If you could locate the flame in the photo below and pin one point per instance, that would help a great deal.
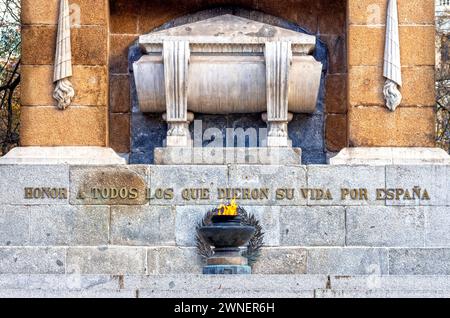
(230, 209)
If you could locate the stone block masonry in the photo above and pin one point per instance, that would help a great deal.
(140, 220)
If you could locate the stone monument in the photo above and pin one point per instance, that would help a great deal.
(86, 209)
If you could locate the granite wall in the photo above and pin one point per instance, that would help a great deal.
(80, 232)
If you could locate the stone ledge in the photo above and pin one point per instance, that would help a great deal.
(223, 156)
(390, 156)
(210, 286)
(62, 155)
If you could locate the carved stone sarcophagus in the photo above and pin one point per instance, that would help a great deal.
(223, 65)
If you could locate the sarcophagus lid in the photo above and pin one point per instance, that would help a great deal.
(227, 66)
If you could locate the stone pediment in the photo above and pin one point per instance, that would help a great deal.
(229, 30)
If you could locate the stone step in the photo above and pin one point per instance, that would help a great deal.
(224, 286)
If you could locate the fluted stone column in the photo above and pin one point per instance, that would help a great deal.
(176, 56)
(278, 63)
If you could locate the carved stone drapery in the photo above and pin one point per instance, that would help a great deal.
(176, 56)
(278, 57)
(392, 65)
(64, 92)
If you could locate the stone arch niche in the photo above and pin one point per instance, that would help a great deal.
(307, 131)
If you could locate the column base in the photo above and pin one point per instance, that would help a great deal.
(390, 156)
(62, 155)
(178, 141)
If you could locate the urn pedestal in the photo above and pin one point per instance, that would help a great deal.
(227, 235)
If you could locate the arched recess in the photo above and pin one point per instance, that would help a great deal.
(319, 133)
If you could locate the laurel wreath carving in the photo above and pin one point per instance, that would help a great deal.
(253, 249)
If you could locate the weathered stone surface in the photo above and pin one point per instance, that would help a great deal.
(419, 261)
(186, 220)
(336, 132)
(432, 178)
(224, 294)
(271, 177)
(231, 155)
(119, 94)
(437, 226)
(129, 180)
(173, 260)
(146, 225)
(76, 126)
(336, 94)
(347, 261)
(106, 260)
(119, 132)
(336, 178)
(312, 226)
(385, 226)
(269, 219)
(42, 36)
(118, 53)
(68, 225)
(419, 294)
(61, 156)
(367, 86)
(32, 260)
(410, 12)
(93, 12)
(15, 178)
(83, 50)
(391, 282)
(281, 261)
(379, 127)
(90, 84)
(14, 226)
(337, 50)
(414, 41)
(229, 283)
(68, 294)
(181, 178)
(124, 16)
(391, 155)
(59, 282)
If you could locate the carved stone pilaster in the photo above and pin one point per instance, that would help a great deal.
(176, 56)
(278, 63)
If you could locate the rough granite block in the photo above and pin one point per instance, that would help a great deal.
(15, 178)
(419, 294)
(312, 226)
(121, 178)
(68, 225)
(288, 178)
(173, 260)
(434, 178)
(347, 261)
(106, 260)
(179, 178)
(437, 226)
(32, 260)
(142, 225)
(281, 261)
(336, 178)
(14, 226)
(385, 226)
(419, 261)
